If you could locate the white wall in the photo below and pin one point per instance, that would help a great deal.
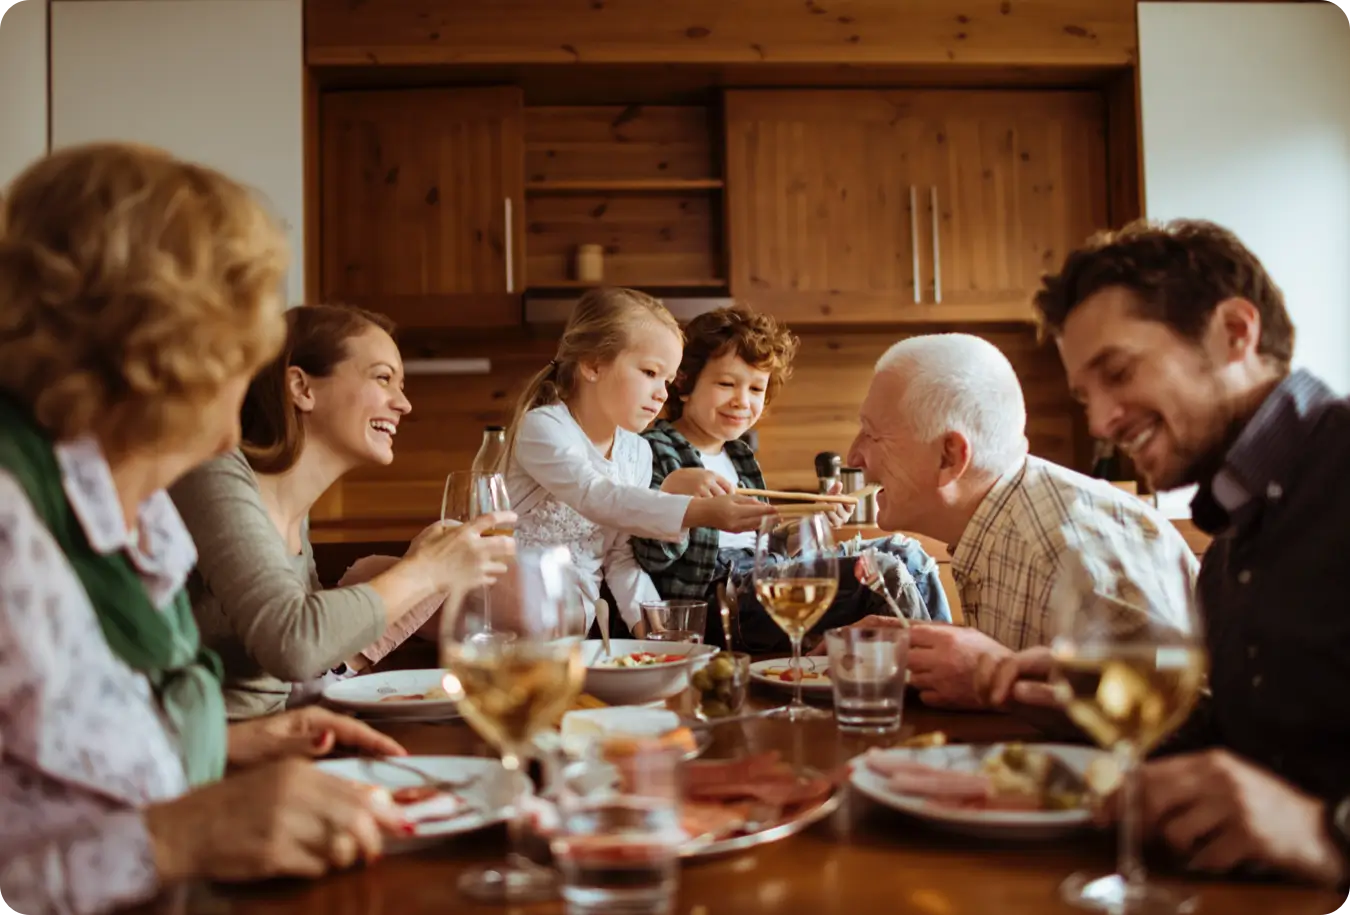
(23, 86)
(217, 81)
(1246, 121)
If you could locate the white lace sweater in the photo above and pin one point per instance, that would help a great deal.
(566, 492)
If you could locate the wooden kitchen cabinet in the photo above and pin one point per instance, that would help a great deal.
(880, 206)
(1014, 181)
(422, 206)
(819, 226)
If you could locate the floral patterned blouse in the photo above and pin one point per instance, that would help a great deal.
(82, 744)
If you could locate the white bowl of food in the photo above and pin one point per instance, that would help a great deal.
(638, 671)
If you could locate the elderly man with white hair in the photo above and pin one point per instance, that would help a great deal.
(944, 431)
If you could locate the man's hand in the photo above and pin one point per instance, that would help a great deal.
(942, 662)
(872, 621)
(311, 731)
(1220, 811)
(1016, 679)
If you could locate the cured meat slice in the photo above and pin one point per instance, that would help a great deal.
(713, 819)
(701, 775)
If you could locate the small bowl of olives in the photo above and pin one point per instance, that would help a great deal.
(720, 687)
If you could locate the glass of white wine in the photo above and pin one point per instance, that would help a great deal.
(514, 676)
(796, 579)
(469, 494)
(1128, 680)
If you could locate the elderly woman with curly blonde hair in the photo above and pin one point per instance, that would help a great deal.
(138, 294)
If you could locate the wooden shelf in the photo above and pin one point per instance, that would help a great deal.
(708, 283)
(638, 185)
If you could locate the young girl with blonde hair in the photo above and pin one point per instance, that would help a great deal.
(578, 471)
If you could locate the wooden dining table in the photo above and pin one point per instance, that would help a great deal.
(864, 858)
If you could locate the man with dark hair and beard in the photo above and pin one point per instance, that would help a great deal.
(1178, 343)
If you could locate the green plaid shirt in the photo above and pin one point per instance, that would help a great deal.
(685, 569)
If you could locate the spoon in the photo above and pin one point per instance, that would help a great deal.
(602, 617)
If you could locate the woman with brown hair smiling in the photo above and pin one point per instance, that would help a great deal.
(331, 401)
(139, 295)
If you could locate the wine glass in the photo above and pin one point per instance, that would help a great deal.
(469, 494)
(1128, 680)
(796, 579)
(514, 676)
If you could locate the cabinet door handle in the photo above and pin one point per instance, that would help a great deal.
(914, 238)
(508, 244)
(937, 250)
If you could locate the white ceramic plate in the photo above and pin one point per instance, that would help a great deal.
(371, 695)
(639, 685)
(486, 793)
(763, 672)
(985, 824)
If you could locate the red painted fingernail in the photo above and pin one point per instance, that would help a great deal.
(408, 829)
(322, 740)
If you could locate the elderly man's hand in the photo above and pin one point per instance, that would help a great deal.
(1220, 811)
(1002, 680)
(872, 621)
(943, 659)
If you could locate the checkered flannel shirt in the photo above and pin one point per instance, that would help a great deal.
(685, 569)
(1041, 523)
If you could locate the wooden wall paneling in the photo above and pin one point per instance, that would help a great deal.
(649, 240)
(759, 32)
(1124, 148)
(311, 259)
(618, 141)
(415, 184)
(560, 84)
(640, 181)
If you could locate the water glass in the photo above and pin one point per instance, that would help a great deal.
(867, 670)
(675, 620)
(619, 835)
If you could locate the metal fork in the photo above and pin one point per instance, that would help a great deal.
(869, 576)
(428, 781)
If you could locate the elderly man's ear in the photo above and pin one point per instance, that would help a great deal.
(955, 458)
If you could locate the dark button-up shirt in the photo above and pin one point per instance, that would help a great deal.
(1275, 590)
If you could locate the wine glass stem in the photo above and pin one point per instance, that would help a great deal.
(1128, 862)
(515, 827)
(796, 671)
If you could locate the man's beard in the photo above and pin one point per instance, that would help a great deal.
(1203, 467)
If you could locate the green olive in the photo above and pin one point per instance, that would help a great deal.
(716, 709)
(721, 668)
(1063, 800)
(702, 680)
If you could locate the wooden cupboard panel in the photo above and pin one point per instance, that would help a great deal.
(817, 411)
(617, 142)
(852, 205)
(647, 239)
(415, 191)
(755, 32)
(818, 202)
(1020, 180)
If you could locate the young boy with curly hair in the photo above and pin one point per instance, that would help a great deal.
(735, 362)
